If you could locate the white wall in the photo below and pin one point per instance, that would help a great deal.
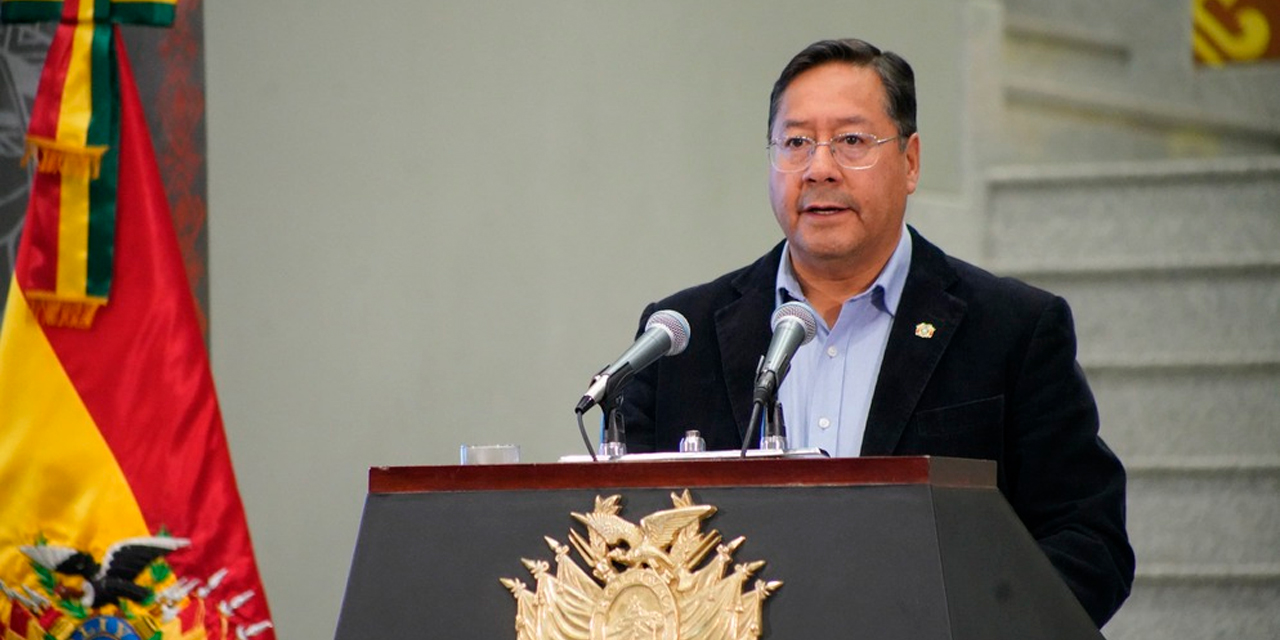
(432, 222)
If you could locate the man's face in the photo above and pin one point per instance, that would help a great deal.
(841, 219)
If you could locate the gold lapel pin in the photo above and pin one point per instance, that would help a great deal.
(925, 330)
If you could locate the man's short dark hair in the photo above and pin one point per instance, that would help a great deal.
(895, 74)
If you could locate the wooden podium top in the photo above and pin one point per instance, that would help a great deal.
(734, 472)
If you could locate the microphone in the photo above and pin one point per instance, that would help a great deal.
(794, 325)
(666, 333)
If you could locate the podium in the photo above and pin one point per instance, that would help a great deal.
(905, 548)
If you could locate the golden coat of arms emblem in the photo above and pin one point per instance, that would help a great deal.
(661, 579)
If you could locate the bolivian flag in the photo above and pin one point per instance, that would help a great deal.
(111, 439)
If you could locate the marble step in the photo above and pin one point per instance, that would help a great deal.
(1126, 215)
(1189, 410)
(1207, 537)
(1221, 512)
(1170, 317)
(1189, 602)
(1072, 54)
(1047, 120)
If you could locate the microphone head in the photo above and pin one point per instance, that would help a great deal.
(675, 325)
(797, 312)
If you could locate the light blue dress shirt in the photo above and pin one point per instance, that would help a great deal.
(827, 394)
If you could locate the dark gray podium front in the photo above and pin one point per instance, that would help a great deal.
(874, 548)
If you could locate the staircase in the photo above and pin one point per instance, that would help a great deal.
(1147, 193)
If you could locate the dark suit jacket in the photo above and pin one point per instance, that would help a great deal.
(998, 380)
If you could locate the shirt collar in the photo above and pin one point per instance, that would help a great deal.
(890, 283)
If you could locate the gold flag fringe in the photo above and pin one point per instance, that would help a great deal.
(62, 158)
(71, 314)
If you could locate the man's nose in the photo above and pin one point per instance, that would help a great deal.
(822, 166)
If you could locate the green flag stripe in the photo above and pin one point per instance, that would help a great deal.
(156, 14)
(102, 226)
(30, 11)
(103, 92)
(102, 192)
(159, 14)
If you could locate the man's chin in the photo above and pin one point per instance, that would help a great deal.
(826, 252)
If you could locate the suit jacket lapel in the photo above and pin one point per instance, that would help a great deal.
(926, 309)
(743, 333)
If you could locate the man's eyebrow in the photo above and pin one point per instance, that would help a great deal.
(859, 120)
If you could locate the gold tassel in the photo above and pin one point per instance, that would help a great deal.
(71, 314)
(66, 159)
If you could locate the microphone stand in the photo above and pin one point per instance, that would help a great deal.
(766, 402)
(614, 443)
(775, 431)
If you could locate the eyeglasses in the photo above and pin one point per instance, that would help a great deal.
(851, 151)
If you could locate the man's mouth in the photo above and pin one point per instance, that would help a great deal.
(824, 209)
(826, 203)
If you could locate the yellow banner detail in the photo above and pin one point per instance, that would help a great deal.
(79, 497)
(1227, 31)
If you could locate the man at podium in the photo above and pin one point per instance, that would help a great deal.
(916, 353)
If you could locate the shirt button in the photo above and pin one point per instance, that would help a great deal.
(824, 423)
(832, 351)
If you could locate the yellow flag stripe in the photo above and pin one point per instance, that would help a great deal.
(59, 477)
(73, 236)
(73, 129)
(77, 92)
